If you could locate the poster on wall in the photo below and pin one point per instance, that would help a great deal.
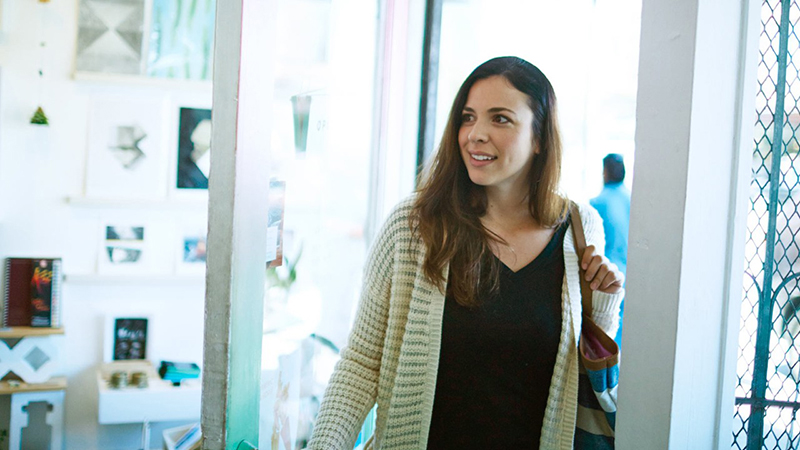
(110, 36)
(130, 338)
(182, 41)
(126, 151)
(194, 148)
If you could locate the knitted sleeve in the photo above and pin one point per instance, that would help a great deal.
(353, 386)
(605, 307)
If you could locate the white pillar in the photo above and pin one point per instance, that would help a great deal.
(695, 116)
(238, 188)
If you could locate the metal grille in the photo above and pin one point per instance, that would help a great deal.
(768, 368)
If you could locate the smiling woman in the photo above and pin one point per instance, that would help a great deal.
(495, 136)
(465, 334)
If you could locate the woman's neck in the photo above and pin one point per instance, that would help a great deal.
(508, 210)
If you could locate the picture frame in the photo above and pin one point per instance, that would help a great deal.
(127, 337)
(183, 47)
(112, 36)
(126, 149)
(194, 148)
(181, 146)
(129, 246)
(190, 246)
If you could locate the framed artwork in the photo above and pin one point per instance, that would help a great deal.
(194, 148)
(182, 41)
(111, 36)
(126, 338)
(191, 247)
(126, 149)
(124, 249)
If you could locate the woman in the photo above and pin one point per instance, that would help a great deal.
(466, 334)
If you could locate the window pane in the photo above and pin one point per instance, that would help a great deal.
(587, 49)
(320, 152)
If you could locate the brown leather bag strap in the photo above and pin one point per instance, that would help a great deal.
(579, 241)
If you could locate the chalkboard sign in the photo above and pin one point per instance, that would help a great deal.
(130, 338)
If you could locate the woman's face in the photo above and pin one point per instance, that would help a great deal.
(496, 137)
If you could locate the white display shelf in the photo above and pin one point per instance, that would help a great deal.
(199, 202)
(134, 279)
(159, 402)
(145, 81)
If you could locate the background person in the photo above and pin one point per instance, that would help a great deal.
(614, 206)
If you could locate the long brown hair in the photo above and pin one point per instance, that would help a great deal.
(448, 207)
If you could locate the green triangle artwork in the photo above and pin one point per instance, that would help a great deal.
(39, 118)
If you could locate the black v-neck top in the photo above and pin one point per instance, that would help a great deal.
(496, 361)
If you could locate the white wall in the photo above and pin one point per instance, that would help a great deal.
(39, 167)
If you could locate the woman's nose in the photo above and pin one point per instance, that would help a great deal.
(478, 132)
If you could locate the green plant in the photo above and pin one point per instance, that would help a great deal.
(285, 275)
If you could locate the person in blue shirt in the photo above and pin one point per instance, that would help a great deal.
(614, 206)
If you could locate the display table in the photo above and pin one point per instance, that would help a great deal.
(159, 402)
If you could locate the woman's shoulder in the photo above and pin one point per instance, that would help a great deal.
(399, 219)
(403, 210)
(589, 216)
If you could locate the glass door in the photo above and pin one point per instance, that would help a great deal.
(320, 151)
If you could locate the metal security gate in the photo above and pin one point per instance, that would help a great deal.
(768, 367)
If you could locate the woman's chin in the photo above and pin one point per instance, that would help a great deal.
(479, 180)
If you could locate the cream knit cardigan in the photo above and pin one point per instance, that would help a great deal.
(392, 355)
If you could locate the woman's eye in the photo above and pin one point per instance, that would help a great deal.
(501, 119)
(467, 118)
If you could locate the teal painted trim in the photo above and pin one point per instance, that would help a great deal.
(755, 431)
(244, 387)
(244, 445)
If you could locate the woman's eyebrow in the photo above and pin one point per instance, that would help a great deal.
(496, 109)
(501, 109)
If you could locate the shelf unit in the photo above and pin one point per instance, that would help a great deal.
(160, 401)
(205, 86)
(190, 202)
(88, 279)
(54, 384)
(17, 342)
(21, 332)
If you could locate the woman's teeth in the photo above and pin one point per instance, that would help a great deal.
(483, 157)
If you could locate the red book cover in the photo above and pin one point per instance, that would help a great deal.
(17, 299)
(42, 293)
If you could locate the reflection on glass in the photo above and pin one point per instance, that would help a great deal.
(320, 152)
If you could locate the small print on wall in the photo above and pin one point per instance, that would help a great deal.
(194, 148)
(125, 157)
(192, 248)
(123, 249)
(110, 36)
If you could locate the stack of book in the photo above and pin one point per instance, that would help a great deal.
(32, 292)
(177, 372)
